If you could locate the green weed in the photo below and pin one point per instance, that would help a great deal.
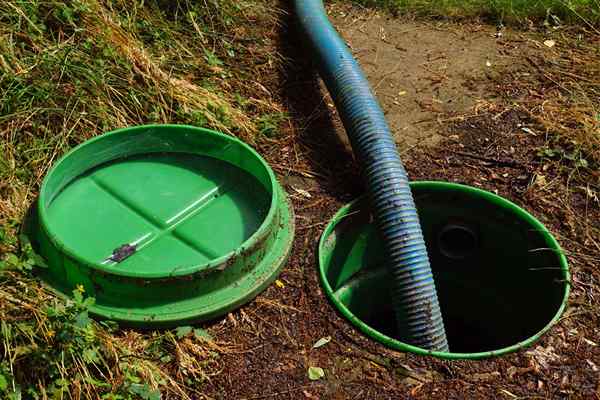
(51, 348)
(269, 124)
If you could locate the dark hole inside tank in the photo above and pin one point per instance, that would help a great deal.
(497, 281)
(463, 336)
(457, 240)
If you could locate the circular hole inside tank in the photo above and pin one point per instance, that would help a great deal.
(496, 295)
(457, 240)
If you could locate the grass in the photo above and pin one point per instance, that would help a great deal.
(567, 103)
(70, 70)
(74, 69)
(52, 349)
(511, 11)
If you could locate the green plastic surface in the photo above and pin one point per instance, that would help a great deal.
(501, 277)
(163, 224)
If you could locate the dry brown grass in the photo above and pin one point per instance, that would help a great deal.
(100, 22)
(73, 70)
(39, 328)
(568, 102)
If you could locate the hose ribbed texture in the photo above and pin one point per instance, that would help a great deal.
(414, 296)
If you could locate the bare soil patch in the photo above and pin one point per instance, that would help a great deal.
(421, 70)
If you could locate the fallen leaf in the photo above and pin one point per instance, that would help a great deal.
(402, 93)
(540, 180)
(322, 342)
(309, 395)
(544, 356)
(302, 192)
(279, 284)
(549, 43)
(315, 373)
(486, 376)
(592, 365)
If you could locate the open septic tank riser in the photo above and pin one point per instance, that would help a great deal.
(502, 279)
(497, 296)
(200, 240)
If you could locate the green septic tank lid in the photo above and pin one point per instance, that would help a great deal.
(502, 280)
(162, 224)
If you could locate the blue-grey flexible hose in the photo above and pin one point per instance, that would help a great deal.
(414, 295)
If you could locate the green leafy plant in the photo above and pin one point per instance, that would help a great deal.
(269, 124)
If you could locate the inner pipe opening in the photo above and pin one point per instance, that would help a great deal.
(457, 240)
(500, 276)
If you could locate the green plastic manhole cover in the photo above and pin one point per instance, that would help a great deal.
(502, 279)
(163, 224)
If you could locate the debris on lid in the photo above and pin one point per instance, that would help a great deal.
(122, 252)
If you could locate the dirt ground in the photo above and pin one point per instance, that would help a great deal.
(418, 70)
(446, 90)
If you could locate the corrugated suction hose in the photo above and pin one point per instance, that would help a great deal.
(414, 295)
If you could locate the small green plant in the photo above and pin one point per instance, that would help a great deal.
(573, 158)
(211, 59)
(56, 349)
(269, 124)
